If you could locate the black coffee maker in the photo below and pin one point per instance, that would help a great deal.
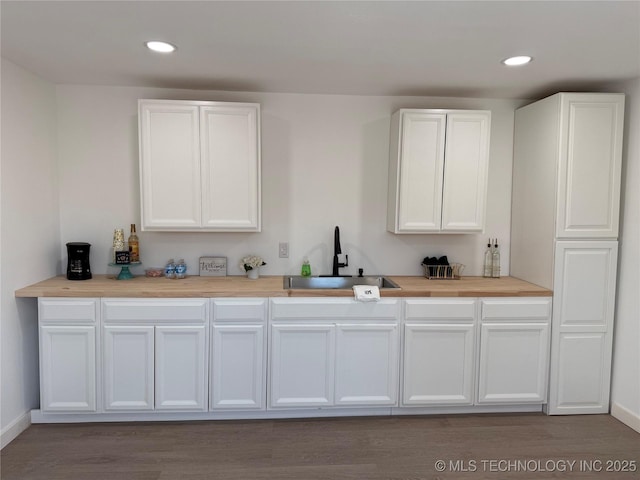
(78, 261)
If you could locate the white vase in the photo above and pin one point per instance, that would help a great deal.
(253, 274)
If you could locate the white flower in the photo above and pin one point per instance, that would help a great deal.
(251, 261)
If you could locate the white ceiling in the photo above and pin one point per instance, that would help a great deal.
(344, 47)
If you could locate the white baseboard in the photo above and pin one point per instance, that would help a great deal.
(38, 416)
(626, 416)
(15, 428)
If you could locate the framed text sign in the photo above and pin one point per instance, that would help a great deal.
(213, 266)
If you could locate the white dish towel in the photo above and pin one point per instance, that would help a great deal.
(366, 293)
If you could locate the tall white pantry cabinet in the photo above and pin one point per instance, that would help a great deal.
(565, 212)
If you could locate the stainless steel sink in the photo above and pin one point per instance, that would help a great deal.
(295, 282)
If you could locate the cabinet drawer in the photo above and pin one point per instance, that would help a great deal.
(333, 308)
(189, 310)
(244, 310)
(422, 309)
(529, 309)
(67, 310)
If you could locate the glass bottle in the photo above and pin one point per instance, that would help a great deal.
(306, 268)
(488, 261)
(181, 269)
(495, 271)
(134, 245)
(170, 269)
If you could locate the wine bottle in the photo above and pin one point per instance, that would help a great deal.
(134, 245)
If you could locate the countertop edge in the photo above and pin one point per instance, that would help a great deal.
(271, 286)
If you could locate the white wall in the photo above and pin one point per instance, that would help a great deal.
(625, 394)
(30, 235)
(325, 163)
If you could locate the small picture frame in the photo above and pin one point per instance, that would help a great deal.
(213, 266)
(122, 257)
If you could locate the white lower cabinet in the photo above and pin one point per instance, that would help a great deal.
(121, 355)
(302, 365)
(68, 368)
(514, 351)
(366, 364)
(181, 367)
(128, 367)
(237, 372)
(155, 354)
(438, 364)
(333, 352)
(581, 352)
(68, 355)
(439, 351)
(238, 351)
(582, 374)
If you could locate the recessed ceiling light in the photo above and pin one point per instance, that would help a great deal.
(515, 61)
(162, 47)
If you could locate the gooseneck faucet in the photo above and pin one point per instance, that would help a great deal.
(337, 250)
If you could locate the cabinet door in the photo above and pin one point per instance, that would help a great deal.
(366, 364)
(128, 367)
(582, 374)
(302, 365)
(68, 368)
(421, 160)
(169, 166)
(180, 367)
(238, 370)
(438, 364)
(465, 171)
(513, 363)
(585, 285)
(590, 165)
(584, 301)
(230, 167)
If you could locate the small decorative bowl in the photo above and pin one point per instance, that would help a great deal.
(154, 272)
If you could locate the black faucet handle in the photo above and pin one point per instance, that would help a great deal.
(346, 262)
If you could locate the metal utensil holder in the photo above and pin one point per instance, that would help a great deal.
(443, 272)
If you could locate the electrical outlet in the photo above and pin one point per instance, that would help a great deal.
(283, 250)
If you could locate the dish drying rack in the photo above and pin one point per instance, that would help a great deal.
(443, 272)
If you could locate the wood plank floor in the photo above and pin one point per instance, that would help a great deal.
(380, 448)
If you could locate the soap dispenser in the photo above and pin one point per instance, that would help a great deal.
(306, 268)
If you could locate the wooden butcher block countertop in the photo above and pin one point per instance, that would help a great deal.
(272, 286)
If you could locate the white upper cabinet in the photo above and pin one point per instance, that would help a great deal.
(417, 162)
(590, 165)
(169, 166)
(200, 166)
(566, 176)
(230, 167)
(438, 166)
